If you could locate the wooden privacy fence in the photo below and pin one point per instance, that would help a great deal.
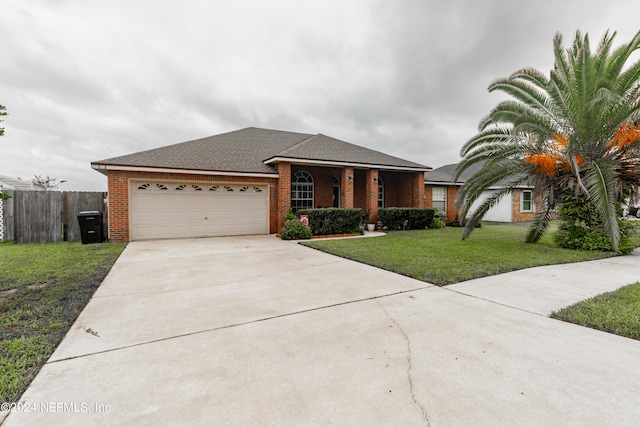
(47, 216)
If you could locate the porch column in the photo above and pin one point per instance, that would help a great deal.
(284, 191)
(371, 189)
(346, 187)
(419, 199)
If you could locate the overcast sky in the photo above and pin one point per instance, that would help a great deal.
(87, 80)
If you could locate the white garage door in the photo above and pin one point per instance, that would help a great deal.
(163, 210)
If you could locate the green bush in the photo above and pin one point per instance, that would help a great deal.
(582, 229)
(294, 229)
(439, 220)
(406, 218)
(333, 220)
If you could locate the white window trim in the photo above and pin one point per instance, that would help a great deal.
(532, 203)
(294, 192)
(440, 200)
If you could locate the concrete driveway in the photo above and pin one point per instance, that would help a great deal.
(257, 331)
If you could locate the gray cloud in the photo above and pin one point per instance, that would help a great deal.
(84, 81)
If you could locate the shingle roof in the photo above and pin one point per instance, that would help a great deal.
(246, 150)
(326, 148)
(446, 174)
(436, 176)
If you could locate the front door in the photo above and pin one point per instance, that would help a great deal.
(336, 195)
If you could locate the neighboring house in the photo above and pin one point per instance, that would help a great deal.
(243, 182)
(440, 189)
(8, 183)
(440, 192)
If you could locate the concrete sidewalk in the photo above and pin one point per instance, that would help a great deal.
(257, 331)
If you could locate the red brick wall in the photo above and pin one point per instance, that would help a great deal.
(418, 199)
(346, 188)
(428, 195)
(406, 189)
(452, 193)
(118, 196)
(283, 201)
(322, 182)
(452, 209)
(517, 215)
(403, 189)
(371, 194)
(118, 187)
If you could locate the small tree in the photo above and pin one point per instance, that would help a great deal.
(2, 113)
(47, 184)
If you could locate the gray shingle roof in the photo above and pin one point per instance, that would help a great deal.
(326, 148)
(446, 174)
(246, 150)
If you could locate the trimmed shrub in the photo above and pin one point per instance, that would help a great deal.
(406, 218)
(439, 220)
(294, 229)
(289, 215)
(333, 220)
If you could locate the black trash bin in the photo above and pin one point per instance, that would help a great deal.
(90, 227)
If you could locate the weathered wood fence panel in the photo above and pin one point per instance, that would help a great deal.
(37, 216)
(48, 216)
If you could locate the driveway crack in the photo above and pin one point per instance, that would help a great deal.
(419, 405)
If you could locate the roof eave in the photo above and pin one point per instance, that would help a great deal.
(104, 168)
(296, 160)
(449, 183)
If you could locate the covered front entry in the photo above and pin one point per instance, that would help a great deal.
(163, 210)
(307, 186)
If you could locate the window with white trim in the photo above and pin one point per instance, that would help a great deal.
(301, 191)
(380, 193)
(439, 198)
(526, 201)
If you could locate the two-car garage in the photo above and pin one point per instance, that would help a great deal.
(164, 210)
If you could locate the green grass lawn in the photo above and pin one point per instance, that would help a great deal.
(617, 312)
(43, 288)
(442, 258)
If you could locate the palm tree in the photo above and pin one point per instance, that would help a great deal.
(576, 131)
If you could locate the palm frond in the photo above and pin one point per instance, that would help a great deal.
(482, 210)
(599, 180)
(540, 224)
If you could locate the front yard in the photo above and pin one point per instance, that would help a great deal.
(442, 258)
(43, 288)
(617, 312)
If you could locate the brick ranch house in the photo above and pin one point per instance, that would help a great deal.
(441, 191)
(243, 182)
